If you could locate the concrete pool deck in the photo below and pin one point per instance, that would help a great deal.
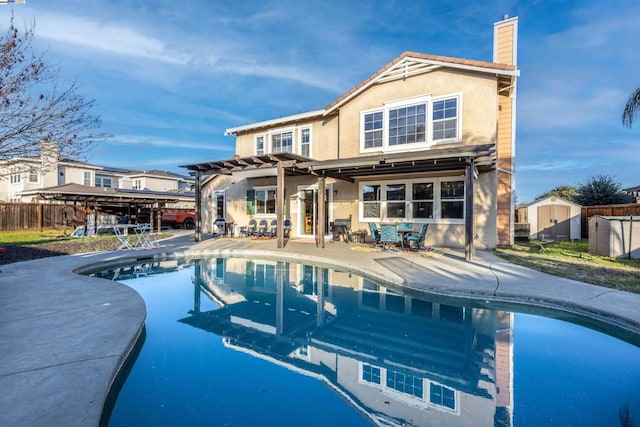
(65, 336)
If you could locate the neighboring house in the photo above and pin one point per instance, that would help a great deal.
(634, 192)
(24, 179)
(425, 139)
(554, 218)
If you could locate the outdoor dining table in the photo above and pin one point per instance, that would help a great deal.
(404, 231)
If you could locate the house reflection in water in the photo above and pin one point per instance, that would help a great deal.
(401, 360)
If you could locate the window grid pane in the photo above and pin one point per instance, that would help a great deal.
(445, 119)
(407, 125)
(373, 130)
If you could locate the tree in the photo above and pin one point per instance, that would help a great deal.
(36, 111)
(566, 192)
(601, 190)
(631, 109)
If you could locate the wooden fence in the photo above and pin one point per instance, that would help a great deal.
(37, 216)
(629, 209)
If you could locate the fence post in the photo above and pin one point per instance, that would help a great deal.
(40, 217)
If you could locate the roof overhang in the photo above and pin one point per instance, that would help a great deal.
(279, 121)
(81, 193)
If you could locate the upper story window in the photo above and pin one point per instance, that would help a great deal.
(305, 142)
(373, 129)
(282, 142)
(87, 178)
(14, 177)
(137, 184)
(34, 176)
(259, 145)
(445, 119)
(103, 181)
(297, 139)
(411, 123)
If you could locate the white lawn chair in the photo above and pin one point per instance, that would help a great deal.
(125, 239)
(145, 238)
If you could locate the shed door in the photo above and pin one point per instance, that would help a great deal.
(554, 221)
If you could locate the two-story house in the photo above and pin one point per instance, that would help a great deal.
(426, 139)
(23, 179)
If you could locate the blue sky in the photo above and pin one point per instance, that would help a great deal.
(169, 77)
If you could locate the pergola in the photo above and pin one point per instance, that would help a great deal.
(96, 196)
(470, 158)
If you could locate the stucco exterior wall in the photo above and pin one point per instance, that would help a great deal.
(478, 92)
(324, 138)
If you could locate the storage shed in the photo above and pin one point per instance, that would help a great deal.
(614, 236)
(554, 218)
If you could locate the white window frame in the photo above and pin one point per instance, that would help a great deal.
(33, 171)
(457, 138)
(456, 398)
(427, 100)
(87, 178)
(101, 179)
(265, 188)
(255, 144)
(281, 132)
(437, 200)
(301, 142)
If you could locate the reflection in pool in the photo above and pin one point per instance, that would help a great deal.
(234, 341)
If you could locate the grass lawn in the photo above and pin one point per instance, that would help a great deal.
(573, 261)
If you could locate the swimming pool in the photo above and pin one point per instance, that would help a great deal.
(232, 341)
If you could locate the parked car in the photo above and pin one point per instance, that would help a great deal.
(179, 219)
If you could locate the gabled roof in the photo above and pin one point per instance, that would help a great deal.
(412, 63)
(405, 65)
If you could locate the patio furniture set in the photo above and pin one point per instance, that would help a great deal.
(141, 238)
(401, 234)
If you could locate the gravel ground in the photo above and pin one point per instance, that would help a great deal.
(16, 253)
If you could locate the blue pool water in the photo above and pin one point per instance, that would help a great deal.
(241, 342)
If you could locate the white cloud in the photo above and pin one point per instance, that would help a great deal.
(106, 37)
(158, 142)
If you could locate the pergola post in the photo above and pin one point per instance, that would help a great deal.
(198, 206)
(280, 206)
(320, 216)
(468, 211)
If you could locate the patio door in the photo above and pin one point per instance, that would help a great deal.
(308, 210)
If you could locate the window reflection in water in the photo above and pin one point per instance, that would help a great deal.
(393, 356)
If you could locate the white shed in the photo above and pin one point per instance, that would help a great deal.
(554, 218)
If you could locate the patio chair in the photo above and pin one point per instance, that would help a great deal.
(252, 228)
(418, 238)
(388, 235)
(263, 227)
(125, 239)
(287, 228)
(405, 229)
(273, 228)
(375, 233)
